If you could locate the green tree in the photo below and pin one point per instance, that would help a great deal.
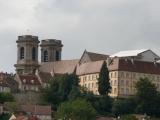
(6, 97)
(128, 117)
(75, 93)
(78, 109)
(124, 106)
(103, 81)
(12, 106)
(146, 96)
(103, 104)
(5, 116)
(59, 89)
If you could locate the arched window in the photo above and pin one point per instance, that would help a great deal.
(45, 56)
(22, 53)
(57, 55)
(33, 53)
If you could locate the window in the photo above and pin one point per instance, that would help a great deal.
(122, 74)
(111, 75)
(127, 75)
(45, 56)
(57, 55)
(115, 74)
(122, 82)
(115, 82)
(33, 53)
(127, 90)
(127, 83)
(122, 90)
(22, 53)
(115, 90)
(134, 75)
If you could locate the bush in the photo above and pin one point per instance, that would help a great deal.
(128, 117)
(78, 109)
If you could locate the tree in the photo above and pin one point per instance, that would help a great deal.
(124, 106)
(12, 106)
(128, 117)
(103, 104)
(78, 109)
(59, 89)
(6, 97)
(103, 80)
(146, 95)
(75, 93)
(4, 116)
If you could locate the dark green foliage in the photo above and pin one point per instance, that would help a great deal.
(6, 97)
(128, 117)
(4, 117)
(59, 89)
(103, 105)
(103, 81)
(78, 109)
(147, 97)
(75, 93)
(123, 106)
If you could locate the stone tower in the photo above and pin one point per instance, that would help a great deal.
(27, 54)
(51, 50)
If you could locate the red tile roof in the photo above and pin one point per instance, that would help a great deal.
(135, 66)
(29, 79)
(97, 56)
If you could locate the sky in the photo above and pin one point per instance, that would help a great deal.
(102, 26)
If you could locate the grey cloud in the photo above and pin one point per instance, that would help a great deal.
(104, 26)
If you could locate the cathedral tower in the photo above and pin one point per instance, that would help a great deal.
(27, 54)
(51, 50)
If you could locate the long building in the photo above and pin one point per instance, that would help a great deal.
(125, 67)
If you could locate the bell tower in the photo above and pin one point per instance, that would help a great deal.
(27, 54)
(51, 50)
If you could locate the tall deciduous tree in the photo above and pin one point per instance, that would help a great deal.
(60, 88)
(104, 87)
(79, 109)
(146, 96)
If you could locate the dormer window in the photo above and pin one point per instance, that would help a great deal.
(32, 81)
(24, 81)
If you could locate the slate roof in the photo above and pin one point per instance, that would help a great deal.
(89, 68)
(59, 67)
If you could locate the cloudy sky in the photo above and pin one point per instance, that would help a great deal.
(104, 26)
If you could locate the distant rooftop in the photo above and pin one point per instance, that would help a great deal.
(129, 53)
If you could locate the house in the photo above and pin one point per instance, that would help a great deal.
(28, 82)
(41, 112)
(21, 115)
(4, 87)
(125, 73)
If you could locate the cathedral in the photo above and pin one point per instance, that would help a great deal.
(125, 67)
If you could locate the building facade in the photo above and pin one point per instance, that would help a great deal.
(125, 67)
